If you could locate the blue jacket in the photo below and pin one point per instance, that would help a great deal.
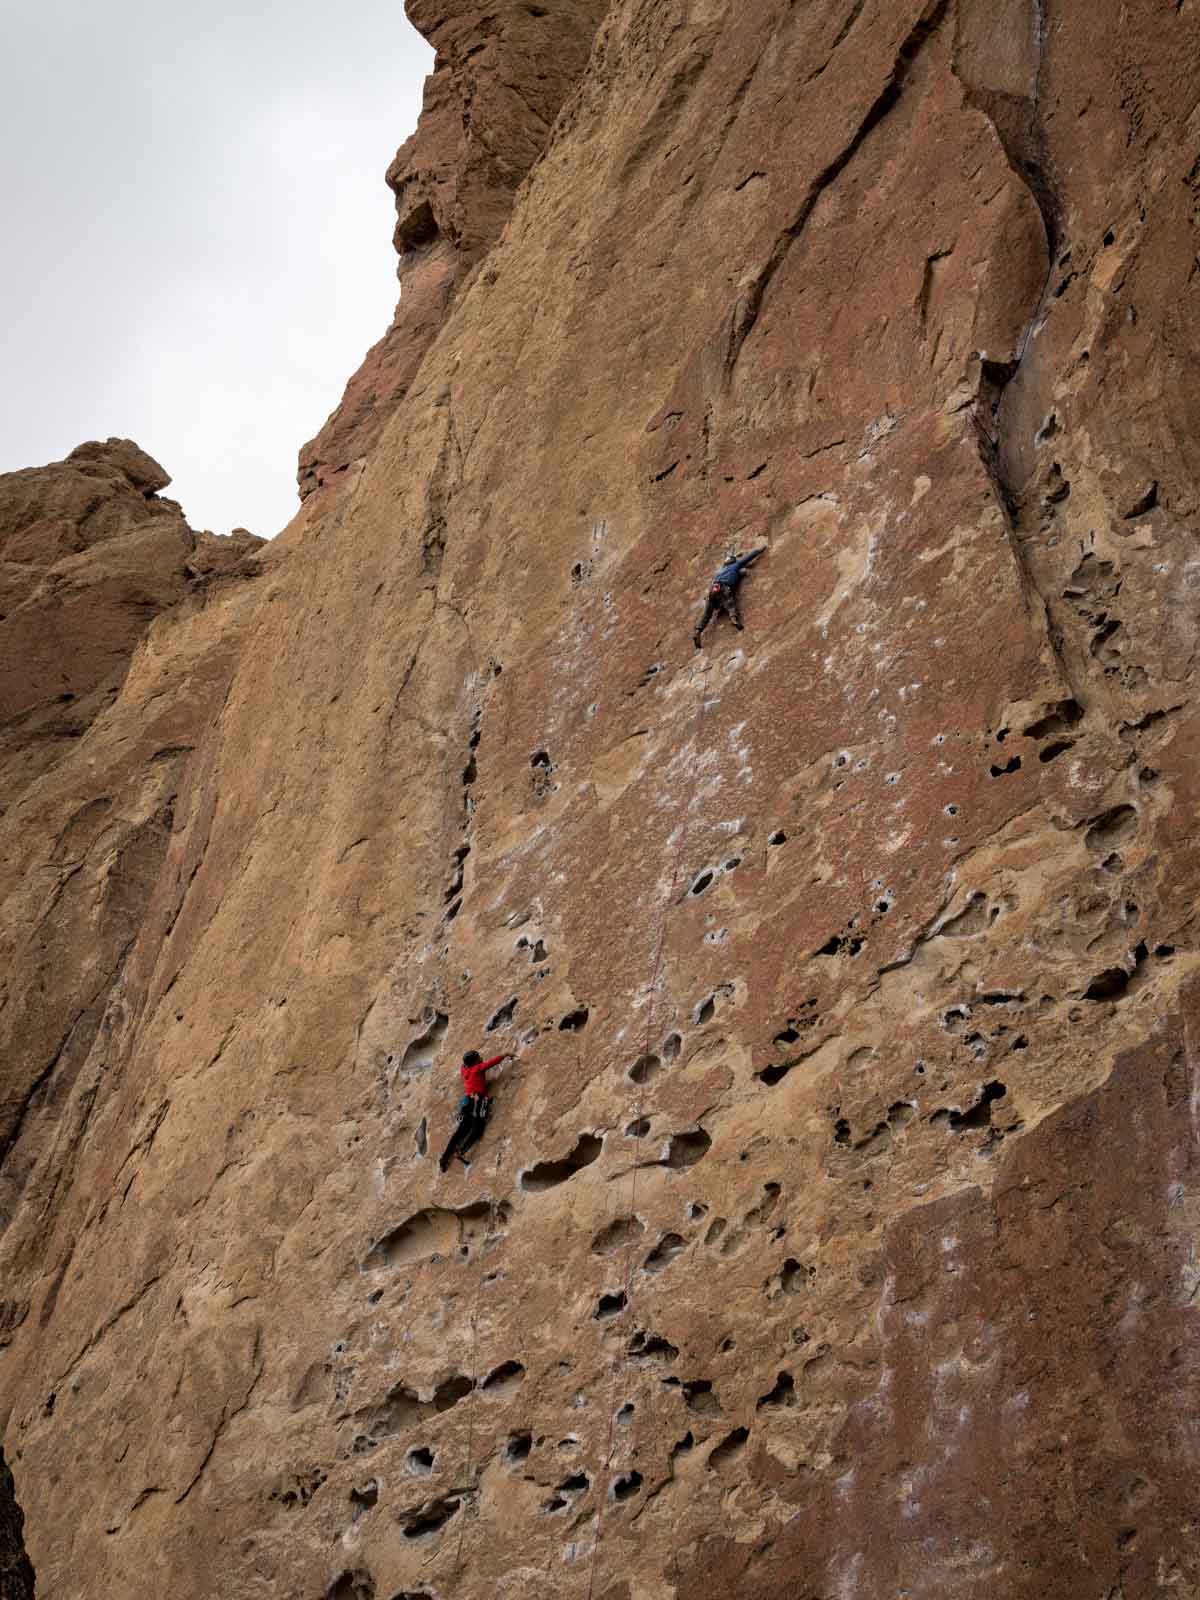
(731, 573)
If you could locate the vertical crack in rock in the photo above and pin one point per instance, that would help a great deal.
(746, 311)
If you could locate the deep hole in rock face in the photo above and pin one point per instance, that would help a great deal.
(429, 1518)
(775, 1073)
(778, 837)
(699, 1397)
(609, 1305)
(1059, 747)
(644, 1069)
(688, 1148)
(517, 1447)
(549, 1174)
(638, 1128)
(729, 1447)
(363, 1499)
(504, 1015)
(424, 1047)
(1012, 765)
(574, 1020)
(503, 1380)
(651, 1347)
(626, 1486)
(670, 1048)
(706, 1010)
(451, 1391)
(793, 1277)
(416, 229)
(419, 1461)
(977, 1116)
(664, 1252)
(1110, 984)
(540, 758)
(783, 1394)
(1061, 716)
(701, 883)
(576, 1482)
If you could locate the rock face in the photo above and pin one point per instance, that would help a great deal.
(499, 80)
(835, 1232)
(110, 656)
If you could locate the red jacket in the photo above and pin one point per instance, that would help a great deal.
(475, 1078)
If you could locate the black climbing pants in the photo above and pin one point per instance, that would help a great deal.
(471, 1123)
(720, 598)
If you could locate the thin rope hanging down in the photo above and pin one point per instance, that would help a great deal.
(652, 994)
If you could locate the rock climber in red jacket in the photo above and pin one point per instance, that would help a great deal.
(473, 1108)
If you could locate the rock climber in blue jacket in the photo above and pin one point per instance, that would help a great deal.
(722, 592)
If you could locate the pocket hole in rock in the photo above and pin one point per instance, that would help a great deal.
(574, 1020)
(651, 1347)
(424, 1047)
(638, 1128)
(517, 1447)
(609, 1305)
(729, 1447)
(670, 1048)
(429, 1518)
(778, 837)
(699, 1397)
(419, 1461)
(503, 1016)
(701, 883)
(687, 1148)
(783, 1394)
(549, 1174)
(644, 1069)
(363, 1500)
(664, 1252)
(503, 1380)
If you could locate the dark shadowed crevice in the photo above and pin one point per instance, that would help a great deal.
(16, 1569)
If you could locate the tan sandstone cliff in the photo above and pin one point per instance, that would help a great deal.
(835, 1232)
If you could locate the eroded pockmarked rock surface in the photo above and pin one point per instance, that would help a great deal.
(835, 1232)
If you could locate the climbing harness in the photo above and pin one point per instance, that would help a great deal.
(685, 828)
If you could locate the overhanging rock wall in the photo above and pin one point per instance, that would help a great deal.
(835, 1233)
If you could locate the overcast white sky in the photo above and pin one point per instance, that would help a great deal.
(197, 234)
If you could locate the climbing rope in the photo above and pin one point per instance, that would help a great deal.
(468, 1468)
(656, 971)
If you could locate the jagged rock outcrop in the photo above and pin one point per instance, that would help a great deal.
(499, 81)
(836, 1229)
(104, 687)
